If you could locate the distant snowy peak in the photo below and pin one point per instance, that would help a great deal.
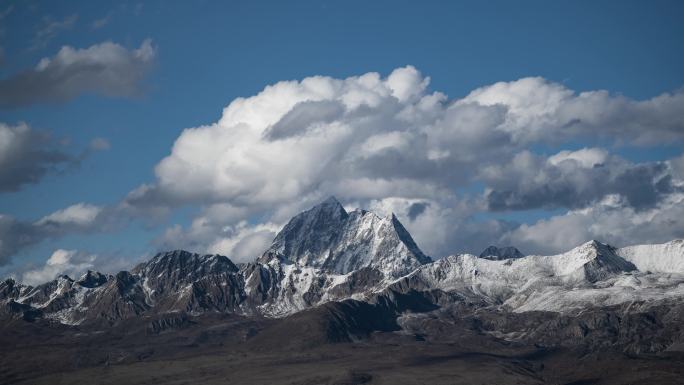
(587, 263)
(662, 258)
(592, 261)
(329, 238)
(500, 253)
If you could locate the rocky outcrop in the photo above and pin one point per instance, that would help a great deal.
(500, 253)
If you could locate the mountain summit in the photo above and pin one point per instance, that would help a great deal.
(329, 238)
(499, 253)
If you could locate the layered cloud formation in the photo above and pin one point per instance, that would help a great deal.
(449, 168)
(572, 179)
(392, 144)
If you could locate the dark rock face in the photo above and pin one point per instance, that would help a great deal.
(261, 281)
(184, 266)
(362, 279)
(180, 280)
(176, 281)
(607, 262)
(119, 299)
(9, 289)
(92, 279)
(52, 296)
(310, 234)
(501, 253)
(15, 310)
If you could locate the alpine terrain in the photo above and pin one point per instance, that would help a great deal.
(349, 298)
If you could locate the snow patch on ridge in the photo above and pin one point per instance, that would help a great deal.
(661, 258)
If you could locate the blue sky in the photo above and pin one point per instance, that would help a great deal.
(206, 54)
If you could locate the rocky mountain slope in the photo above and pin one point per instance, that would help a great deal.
(592, 315)
(327, 255)
(321, 255)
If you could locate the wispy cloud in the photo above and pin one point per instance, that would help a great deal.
(50, 28)
(102, 22)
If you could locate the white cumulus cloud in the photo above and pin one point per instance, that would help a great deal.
(80, 214)
(447, 167)
(370, 140)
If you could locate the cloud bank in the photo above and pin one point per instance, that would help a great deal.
(391, 142)
(572, 179)
(449, 168)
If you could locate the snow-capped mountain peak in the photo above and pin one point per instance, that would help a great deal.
(594, 261)
(329, 238)
(307, 236)
(499, 253)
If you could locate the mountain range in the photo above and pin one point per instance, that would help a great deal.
(358, 274)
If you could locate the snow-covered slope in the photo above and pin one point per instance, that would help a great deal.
(662, 258)
(582, 265)
(592, 274)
